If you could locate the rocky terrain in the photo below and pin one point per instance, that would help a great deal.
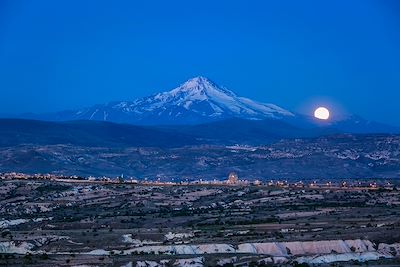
(55, 223)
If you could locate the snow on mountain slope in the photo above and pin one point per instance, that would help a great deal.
(205, 98)
(197, 100)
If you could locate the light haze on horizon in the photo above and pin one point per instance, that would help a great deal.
(345, 55)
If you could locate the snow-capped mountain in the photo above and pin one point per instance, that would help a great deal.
(197, 100)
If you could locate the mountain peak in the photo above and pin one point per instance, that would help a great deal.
(202, 86)
(199, 80)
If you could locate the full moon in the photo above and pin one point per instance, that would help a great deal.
(321, 113)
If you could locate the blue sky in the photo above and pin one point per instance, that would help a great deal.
(57, 55)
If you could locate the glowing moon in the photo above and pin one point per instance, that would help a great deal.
(321, 113)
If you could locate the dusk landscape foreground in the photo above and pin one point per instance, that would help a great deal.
(199, 133)
(59, 221)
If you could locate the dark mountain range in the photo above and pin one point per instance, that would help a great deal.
(105, 134)
(250, 132)
(14, 132)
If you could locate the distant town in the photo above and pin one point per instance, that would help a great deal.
(232, 180)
